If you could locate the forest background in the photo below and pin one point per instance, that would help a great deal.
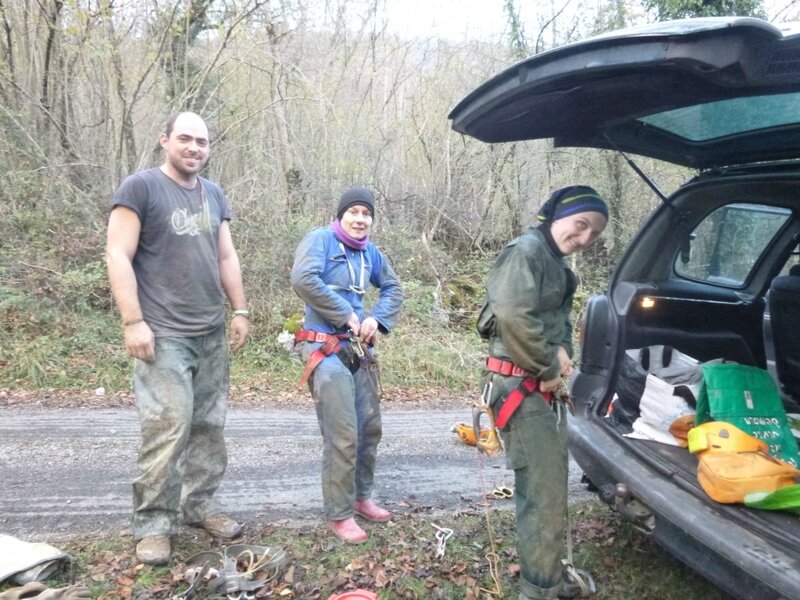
(303, 98)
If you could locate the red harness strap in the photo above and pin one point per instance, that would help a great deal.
(505, 367)
(528, 386)
(330, 345)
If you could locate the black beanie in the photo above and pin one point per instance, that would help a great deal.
(353, 196)
(572, 200)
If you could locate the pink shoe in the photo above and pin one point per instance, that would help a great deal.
(371, 511)
(348, 531)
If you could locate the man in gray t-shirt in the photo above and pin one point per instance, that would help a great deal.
(171, 263)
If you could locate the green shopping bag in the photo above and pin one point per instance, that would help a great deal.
(787, 498)
(748, 398)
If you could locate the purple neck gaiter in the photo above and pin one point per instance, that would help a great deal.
(342, 236)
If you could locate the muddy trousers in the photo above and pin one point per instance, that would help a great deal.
(181, 398)
(535, 441)
(349, 415)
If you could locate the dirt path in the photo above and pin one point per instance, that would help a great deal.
(68, 472)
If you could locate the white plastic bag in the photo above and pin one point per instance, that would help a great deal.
(662, 403)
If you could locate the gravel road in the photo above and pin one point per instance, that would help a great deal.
(68, 472)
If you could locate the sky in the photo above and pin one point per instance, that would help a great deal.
(451, 19)
(486, 19)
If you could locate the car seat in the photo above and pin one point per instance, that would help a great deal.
(782, 332)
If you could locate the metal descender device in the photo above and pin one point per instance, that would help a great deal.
(488, 443)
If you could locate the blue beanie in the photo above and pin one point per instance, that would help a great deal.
(572, 200)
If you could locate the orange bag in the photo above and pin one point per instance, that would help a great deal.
(728, 476)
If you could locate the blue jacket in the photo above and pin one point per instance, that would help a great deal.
(327, 276)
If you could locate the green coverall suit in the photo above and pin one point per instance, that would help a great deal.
(525, 319)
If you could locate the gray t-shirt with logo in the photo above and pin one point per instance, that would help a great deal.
(177, 260)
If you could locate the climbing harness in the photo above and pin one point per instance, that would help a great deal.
(350, 349)
(527, 386)
(442, 535)
(331, 344)
(238, 572)
(249, 568)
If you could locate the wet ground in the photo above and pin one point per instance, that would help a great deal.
(68, 472)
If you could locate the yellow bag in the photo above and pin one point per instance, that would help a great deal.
(719, 436)
(728, 476)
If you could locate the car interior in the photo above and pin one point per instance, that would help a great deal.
(743, 305)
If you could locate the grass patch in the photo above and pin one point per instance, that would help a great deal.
(400, 561)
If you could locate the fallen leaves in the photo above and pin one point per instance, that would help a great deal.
(399, 559)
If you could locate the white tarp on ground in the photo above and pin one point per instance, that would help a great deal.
(27, 561)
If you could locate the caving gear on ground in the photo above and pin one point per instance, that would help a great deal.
(205, 571)
(348, 530)
(442, 535)
(248, 568)
(154, 550)
(36, 590)
(371, 511)
(501, 492)
(221, 526)
(240, 568)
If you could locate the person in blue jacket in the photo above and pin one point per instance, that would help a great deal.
(333, 267)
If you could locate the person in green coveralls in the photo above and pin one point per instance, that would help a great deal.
(526, 320)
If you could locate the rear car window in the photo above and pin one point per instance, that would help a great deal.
(727, 117)
(727, 244)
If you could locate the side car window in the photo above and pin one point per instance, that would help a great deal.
(729, 241)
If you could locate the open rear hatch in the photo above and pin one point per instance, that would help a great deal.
(722, 91)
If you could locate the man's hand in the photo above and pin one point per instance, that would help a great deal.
(240, 327)
(369, 329)
(140, 341)
(564, 361)
(550, 385)
(353, 323)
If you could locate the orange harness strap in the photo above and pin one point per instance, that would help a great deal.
(330, 345)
